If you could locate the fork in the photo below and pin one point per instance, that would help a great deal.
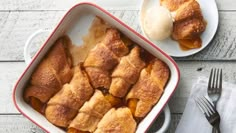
(215, 85)
(210, 113)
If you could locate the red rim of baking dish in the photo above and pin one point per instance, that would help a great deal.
(119, 21)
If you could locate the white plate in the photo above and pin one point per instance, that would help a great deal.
(171, 47)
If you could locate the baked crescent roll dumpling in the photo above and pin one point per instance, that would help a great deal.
(117, 121)
(52, 72)
(64, 105)
(90, 113)
(100, 56)
(189, 22)
(172, 5)
(148, 89)
(188, 29)
(103, 58)
(99, 77)
(188, 9)
(126, 73)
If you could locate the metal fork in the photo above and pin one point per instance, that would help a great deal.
(210, 113)
(215, 85)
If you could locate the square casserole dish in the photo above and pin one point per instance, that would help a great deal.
(75, 24)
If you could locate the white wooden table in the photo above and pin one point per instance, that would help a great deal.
(20, 18)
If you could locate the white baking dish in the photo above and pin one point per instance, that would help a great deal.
(75, 23)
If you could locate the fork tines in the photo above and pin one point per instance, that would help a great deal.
(210, 112)
(205, 106)
(215, 80)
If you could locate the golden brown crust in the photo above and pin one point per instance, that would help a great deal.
(52, 72)
(98, 77)
(160, 73)
(189, 22)
(69, 99)
(117, 121)
(42, 94)
(126, 73)
(149, 87)
(187, 10)
(60, 115)
(43, 78)
(101, 57)
(60, 59)
(104, 57)
(172, 5)
(119, 87)
(114, 43)
(91, 113)
(188, 29)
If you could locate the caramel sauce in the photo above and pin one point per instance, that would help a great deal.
(37, 105)
(117, 102)
(95, 35)
(132, 104)
(114, 101)
(187, 44)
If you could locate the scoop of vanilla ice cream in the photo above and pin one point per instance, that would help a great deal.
(158, 23)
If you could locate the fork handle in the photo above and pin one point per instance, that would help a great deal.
(216, 129)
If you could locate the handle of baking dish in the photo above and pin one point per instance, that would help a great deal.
(28, 43)
(167, 120)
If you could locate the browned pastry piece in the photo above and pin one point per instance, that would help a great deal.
(188, 29)
(148, 89)
(99, 77)
(187, 10)
(117, 121)
(52, 72)
(126, 73)
(172, 5)
(189, 22)
(90, 113)
(64, 105)
(103, 58)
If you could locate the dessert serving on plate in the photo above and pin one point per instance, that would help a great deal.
(111, 90)
(188, 22)
(180, 19)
